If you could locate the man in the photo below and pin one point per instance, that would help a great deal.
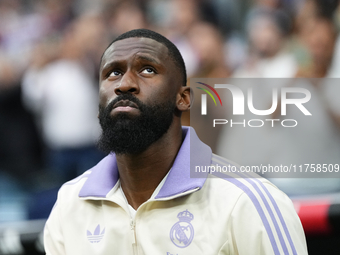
(140, 199)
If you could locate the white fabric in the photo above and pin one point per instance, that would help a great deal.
(282, 65)
(224, 221)
(66, 100)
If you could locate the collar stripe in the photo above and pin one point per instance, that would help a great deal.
(193, 152)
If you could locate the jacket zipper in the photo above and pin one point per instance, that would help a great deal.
(132, 221)
(133, 233)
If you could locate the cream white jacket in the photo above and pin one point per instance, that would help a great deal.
(215, 214)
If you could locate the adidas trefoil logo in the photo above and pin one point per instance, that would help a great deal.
(97, 236)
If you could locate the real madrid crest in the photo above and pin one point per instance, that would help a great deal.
(182, 233)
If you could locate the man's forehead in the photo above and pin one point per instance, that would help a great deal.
(132, 45)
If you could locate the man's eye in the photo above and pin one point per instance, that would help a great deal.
(148, 71)
(114, 73)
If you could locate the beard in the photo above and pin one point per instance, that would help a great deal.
(124, 133)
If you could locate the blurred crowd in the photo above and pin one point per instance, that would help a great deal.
(50, 52)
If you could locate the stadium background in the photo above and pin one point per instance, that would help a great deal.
(47, 46)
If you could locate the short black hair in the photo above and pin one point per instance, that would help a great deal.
(172, 49)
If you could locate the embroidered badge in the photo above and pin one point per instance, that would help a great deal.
(97, 236)
(182, 233)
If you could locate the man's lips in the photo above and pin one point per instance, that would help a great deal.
(124, 106)
(125, 103)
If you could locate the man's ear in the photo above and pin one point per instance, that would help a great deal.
(185, 99)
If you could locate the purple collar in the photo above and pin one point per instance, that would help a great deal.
(105, 174)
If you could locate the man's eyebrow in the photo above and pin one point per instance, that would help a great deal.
(150, 59)
(141, 57)
(109, 64)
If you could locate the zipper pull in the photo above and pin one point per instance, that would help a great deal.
(132, 224)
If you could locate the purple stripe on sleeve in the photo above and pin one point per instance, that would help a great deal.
(251, 180)
(281, 218)
(277, 228)
(256, 204)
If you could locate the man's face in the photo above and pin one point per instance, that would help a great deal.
(138, 86)
(140, 66)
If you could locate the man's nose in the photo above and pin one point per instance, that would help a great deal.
(128, 84)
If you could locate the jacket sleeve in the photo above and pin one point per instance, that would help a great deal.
(266, 224)
(53, 238)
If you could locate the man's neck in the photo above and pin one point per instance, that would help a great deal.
(141, 173)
